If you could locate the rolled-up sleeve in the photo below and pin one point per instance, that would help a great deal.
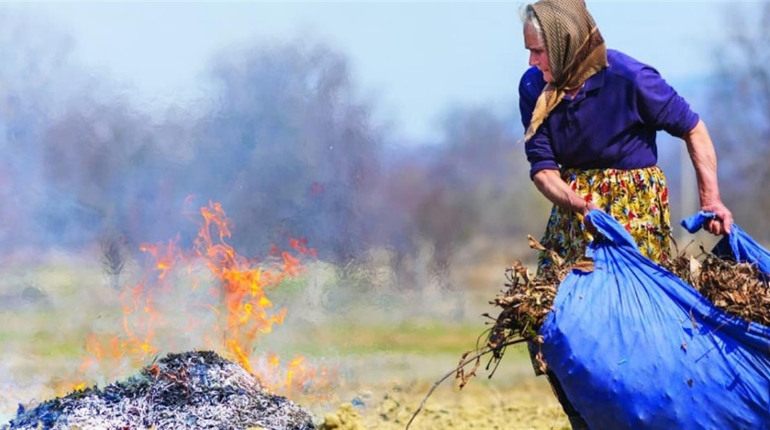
(540, 152)
(660, 106)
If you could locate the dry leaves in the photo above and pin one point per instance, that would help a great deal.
(740, 289)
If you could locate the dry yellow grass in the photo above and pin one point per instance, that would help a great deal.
(526, 404)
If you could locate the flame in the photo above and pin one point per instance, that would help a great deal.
(237, 300)
(165, 257)
(296, 377)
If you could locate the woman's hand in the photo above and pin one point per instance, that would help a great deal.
(723, 220)
(553, 187)
(588, 207)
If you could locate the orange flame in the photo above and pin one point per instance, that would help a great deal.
(242, 309)
(296, 377)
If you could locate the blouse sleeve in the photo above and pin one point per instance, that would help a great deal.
(660, 106)
(540, 152)
(538, 148)
(530, 87)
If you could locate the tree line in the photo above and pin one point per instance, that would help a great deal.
(289, 148)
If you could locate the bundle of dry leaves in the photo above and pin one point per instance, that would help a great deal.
(739, 289)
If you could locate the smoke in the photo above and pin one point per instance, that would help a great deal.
(286, 145)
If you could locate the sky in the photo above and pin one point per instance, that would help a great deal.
(412, 59)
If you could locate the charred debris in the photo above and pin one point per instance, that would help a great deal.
(191, 390)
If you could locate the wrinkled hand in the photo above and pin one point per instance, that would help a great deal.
(589, 206)
(723, 221)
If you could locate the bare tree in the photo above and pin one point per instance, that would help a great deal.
(107, 170)
(34, 71)
(473, 185)
(740, 111)
(292, 148)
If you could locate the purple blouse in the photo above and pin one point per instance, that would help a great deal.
(610, 123)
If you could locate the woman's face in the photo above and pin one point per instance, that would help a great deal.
(538, 55)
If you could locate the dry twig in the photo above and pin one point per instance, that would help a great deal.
(456, 371)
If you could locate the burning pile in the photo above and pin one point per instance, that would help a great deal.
(225, 303)
(737, 288)
(192, 390)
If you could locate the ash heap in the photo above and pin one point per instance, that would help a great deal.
(191, 390)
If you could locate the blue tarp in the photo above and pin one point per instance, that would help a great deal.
(635, 347)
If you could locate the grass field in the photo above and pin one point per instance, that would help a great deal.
(383, 350)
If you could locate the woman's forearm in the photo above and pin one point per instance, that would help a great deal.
(553, 187)
(704, 160)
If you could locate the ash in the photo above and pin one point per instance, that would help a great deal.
(192, 390)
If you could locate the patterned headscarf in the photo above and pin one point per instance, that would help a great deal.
(575, 48)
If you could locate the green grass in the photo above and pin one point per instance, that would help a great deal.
(82, 303)
(407, 337)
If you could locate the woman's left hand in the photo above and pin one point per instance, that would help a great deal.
(723, 221)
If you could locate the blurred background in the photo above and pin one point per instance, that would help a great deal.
(385, 134)
(358, 125)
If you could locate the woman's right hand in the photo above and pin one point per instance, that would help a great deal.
(588, 207)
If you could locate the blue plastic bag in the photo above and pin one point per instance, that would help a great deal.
(635, 347)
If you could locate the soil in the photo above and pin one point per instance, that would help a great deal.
(528, 405)
(513, 399)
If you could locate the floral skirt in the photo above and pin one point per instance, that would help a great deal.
(637, 198)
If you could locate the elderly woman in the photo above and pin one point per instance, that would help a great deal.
(591, 116)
